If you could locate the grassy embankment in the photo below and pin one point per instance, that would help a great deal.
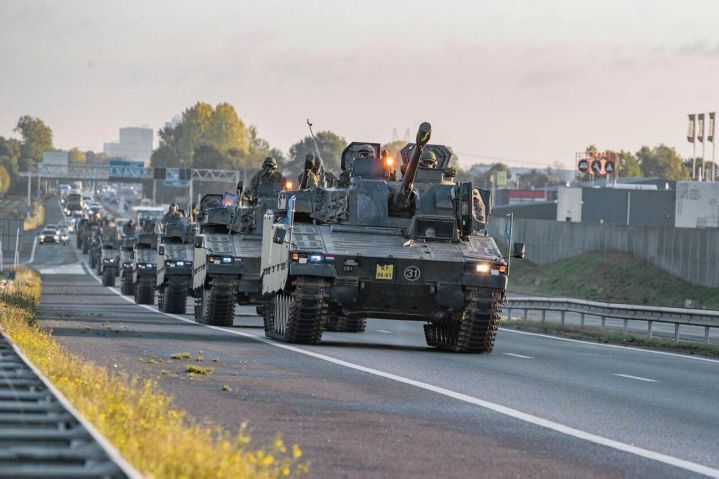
(37, 218)
(610, 277)
(158, 439)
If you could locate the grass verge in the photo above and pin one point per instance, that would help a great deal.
(609, 276)
(140, 421)
(609, 336)
(36, 219)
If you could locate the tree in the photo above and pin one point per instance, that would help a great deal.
(76, 157)
(36, 139)
(225, 130)
(662, 162)
(207, 156)
(330, 146)
(628, 164)
(165, 157)
(195, 123)
(4, 180)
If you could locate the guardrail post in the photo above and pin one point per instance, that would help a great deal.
(544, 315)
(650, 328)
(604, 320)
(525, 314)
(581, 319)
(562, 320)
(706, 334)
(676, 332)
(626, 324)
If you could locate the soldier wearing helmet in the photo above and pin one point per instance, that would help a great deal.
(268, 174)
(362, 151)
(312, 170)
(428, 159)
(173, 212)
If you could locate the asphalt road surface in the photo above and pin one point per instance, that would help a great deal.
(383, 404)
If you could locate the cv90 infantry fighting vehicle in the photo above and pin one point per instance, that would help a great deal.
(126, 253)
(226, 267)
(378, 249)
(174, 265)
(144, 269)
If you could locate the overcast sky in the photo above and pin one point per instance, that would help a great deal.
(530, 82)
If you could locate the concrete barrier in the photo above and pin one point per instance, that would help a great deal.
(691, 254)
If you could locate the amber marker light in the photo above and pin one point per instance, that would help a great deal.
(389, 161)
(288, 185)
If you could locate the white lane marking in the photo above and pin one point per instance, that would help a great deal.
(498, 408)
(64, 269)
(32, 252)
(616, 346)
(629, 376)
(384, 331)
(515, 355)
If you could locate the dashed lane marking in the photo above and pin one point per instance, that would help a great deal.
(515, 355)
(636, 378)
(383, 331)
(498, 408)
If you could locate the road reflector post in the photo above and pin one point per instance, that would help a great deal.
(563, 312)
(581, 319)
(626, 324)
(650, 329)
(676, 332)
(603, 321)
(544, 315)
(706, 334)
(525, 315)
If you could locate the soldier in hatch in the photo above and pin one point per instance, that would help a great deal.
(173, 212)
(313, 171)
(268, 174)
(364, 151)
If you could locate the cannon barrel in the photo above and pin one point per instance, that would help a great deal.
(423, 134)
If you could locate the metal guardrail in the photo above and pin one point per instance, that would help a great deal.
(651, 314)
(41, 434)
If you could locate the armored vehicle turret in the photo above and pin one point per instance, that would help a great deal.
(226, 262)
(174, 265)
(383, 249)
(144, 269)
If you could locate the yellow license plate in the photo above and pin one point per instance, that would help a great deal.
(385, 271)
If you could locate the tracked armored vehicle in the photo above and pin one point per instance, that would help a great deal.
(127, 249)
(226, 267)
(174, 266)
(144, 269)
(109, 264)
(380, 249)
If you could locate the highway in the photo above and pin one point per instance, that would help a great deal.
(383, 404)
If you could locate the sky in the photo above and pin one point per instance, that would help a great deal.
(527, 82)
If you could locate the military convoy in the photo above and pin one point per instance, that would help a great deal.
(328, 257)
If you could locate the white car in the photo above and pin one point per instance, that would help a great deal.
(49, 236)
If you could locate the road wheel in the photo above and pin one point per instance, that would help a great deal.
(474, 329)
(340, 323)
(161, 298)
(145, 290)
(298, 316)
(217, 302)
(126, 286)
(108, 277)
(175, 295)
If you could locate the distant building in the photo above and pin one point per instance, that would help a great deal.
(135, 144)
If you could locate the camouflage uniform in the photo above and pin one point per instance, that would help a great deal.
(313, 170)
(268, 174)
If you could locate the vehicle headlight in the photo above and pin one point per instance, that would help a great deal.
(140, 266)
(315, 258)
(483, 268)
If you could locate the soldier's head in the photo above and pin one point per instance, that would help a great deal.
(173, 207)
(428, 159)
(269, 164)
(366, 151)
